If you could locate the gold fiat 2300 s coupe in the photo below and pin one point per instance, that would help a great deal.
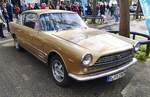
(72, 49)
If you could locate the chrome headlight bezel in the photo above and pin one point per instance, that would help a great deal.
(87, 59)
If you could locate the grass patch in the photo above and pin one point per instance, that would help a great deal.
(141, 53)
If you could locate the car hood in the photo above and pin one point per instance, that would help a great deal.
(95, 40)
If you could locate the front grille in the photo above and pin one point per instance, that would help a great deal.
(117, 58)
(112, 61)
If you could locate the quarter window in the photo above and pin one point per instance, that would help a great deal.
(30, 20)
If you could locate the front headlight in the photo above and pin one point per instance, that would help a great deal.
(86, 59)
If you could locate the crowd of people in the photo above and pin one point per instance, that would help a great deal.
(6, 16)
(108, 11)
(76, 7)
(7, 10)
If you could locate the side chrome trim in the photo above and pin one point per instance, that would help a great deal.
(100, 75)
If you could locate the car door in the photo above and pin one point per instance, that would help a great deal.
(38, 42)
(35, 40)
(30, 32)
(21, 31)
(42, 24)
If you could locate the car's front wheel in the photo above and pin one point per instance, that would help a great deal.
(59, 72)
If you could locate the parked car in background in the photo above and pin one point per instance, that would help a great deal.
(72, 49)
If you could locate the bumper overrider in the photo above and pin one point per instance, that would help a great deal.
(103, 73)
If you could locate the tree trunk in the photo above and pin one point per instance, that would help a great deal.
(94, 10)
(124, 18)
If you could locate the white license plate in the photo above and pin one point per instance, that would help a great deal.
(115, 76)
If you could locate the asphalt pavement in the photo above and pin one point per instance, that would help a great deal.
(22, 75)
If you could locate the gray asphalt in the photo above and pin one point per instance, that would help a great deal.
(22, 75)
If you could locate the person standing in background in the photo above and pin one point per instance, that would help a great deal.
(43, 6)
(36, 6)
(5, 14)
(89, 10)
(17, 11)
(68, 6)
(112, 9)
(62, 6)
(79, 9)
(102, 9)
(58, 6)
(116, 13)
(29, 6)
(98, 10)
(51, 5)
(9, 8)
(23, 6)
(2, 22)
(75, 7)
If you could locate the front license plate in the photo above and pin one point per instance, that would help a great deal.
(115, 76)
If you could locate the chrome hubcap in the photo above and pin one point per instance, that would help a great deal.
(58, 71)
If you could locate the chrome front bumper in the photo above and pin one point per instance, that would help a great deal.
(102, 74)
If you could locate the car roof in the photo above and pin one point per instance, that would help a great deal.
(41, 11)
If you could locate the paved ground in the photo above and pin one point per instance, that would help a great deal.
(135, 26)
(22, 75)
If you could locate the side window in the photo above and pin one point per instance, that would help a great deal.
(30, 20)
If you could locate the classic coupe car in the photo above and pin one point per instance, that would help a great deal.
(72, 49)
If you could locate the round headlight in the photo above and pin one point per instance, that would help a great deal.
(87, 59)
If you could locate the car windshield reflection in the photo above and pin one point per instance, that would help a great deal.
(61, 21)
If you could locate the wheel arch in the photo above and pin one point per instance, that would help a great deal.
(53, 53)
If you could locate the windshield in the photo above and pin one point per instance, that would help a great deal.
(60, 21)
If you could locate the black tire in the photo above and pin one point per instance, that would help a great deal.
(66, 79)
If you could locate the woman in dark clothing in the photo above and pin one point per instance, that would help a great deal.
(102, 9)
(6, 17)
(62, 6)
(89, 10)
(112, 9)
(9, 8)
(36, 6)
